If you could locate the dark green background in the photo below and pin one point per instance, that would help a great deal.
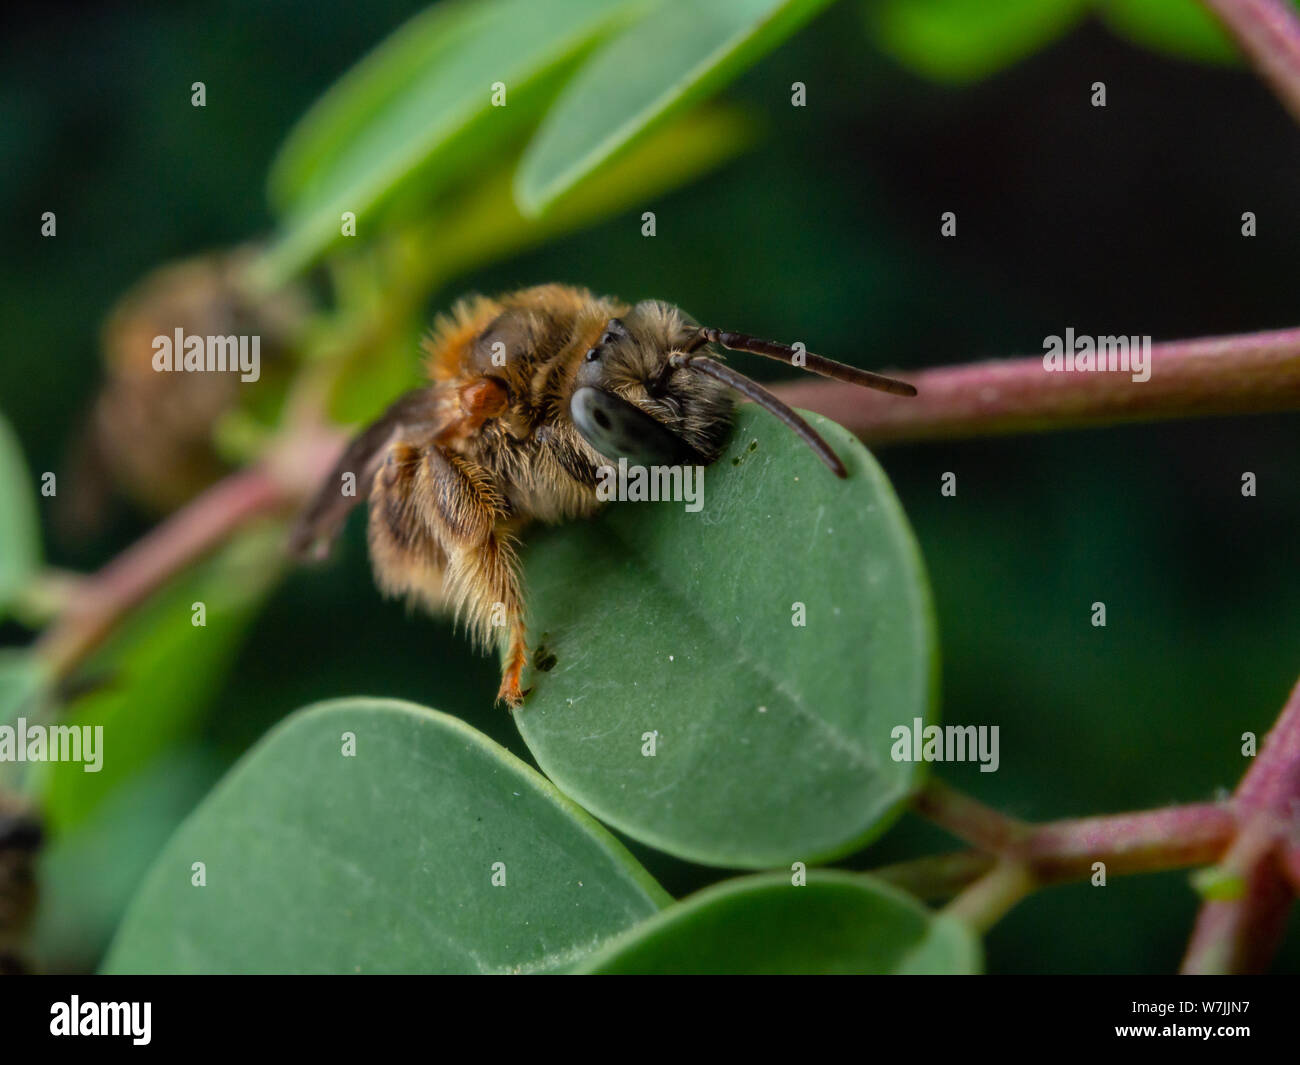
(1122, 220)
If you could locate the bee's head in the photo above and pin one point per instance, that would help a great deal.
(630, 401)
(651, 390)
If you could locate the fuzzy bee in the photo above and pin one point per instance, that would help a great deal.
(531, 393)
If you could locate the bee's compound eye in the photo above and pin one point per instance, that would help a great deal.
(617, 429)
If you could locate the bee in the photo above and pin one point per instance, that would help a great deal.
(530, 394)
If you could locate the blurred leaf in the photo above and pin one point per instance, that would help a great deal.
(20, 537)
(961, 41)
(487, 225)
(23, 682)
(1176, 27)
(160, 673)
(772, 740)
(659, 161)
(325, 133)
(372, 377)
(88, 876)
(675, 55)
(422, 103)
(382, 862)
(837, 923)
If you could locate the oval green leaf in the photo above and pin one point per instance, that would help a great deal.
(383, 861)
(422, 104)
(675, 55)
(836, 923)
(20, 540)
(652, 625)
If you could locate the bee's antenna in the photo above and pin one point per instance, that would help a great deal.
(754, 391)
(803, 359)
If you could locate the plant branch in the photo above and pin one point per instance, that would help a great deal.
(969, 819)
(1268, 31)
(1149, 841)
(989, 898)
(1061, 851)
(1253, 839)
(937, 876)
(100, 601)
(1241, 933)
(1246, 374)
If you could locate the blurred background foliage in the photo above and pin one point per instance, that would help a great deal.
(819, 222)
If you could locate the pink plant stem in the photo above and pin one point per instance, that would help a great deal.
(1241, 934)
(969, 819)
(101, 600)
(1268, 31)
(1244, 374)
(1172, 838)
(1147, 841)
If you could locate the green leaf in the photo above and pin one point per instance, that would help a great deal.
(88, 875)
(24, 683)
(158, 675)
(20, 538)
(421, 107)
(772, 740)
(323, 135)
(486, 224)
(676, 55)
(371, 376)
(1176, 27)
(382, 861)
(837, 923)
(959, 41)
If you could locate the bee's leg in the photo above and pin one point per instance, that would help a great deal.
(404, 551)
(484, 578)
(469, 516)
(439, 496)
